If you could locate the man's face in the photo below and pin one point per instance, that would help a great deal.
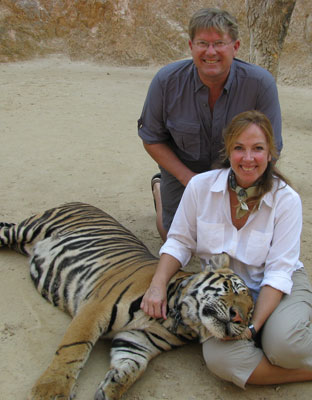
(213, 62)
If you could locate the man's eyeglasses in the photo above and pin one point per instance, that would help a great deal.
(217, 45)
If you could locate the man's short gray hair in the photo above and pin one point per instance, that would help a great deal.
(220, 20)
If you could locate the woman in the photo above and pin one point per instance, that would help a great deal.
(250, 212)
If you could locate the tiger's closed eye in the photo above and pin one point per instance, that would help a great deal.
(208, 311)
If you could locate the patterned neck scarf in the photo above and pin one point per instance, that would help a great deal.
(242, 195)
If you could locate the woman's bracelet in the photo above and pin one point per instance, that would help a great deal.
(253, 331)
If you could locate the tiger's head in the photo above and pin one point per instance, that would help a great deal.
(215, 302)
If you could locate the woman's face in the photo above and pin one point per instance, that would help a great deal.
(249, 155)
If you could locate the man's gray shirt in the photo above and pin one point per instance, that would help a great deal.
(176, 110)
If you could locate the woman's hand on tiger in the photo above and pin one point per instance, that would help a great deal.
(154, 302)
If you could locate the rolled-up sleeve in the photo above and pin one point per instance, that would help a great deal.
(151, 126)
(283, 256)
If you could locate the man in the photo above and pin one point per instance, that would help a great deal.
(190, 102)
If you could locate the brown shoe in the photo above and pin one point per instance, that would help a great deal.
(155, 179)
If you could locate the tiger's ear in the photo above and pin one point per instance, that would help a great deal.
(218, 261)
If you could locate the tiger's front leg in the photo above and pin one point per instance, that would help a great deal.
(130, 354)
(59, 379)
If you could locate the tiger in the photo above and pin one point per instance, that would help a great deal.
(87, 264)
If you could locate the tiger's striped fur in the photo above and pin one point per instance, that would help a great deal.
(87, 264)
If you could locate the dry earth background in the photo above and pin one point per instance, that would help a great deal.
(68, 132)
(134, 32)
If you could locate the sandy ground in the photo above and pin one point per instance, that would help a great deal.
(68, 132)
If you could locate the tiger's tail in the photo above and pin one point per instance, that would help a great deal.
(10, 237)
(6, 234)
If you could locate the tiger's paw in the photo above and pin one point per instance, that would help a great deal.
(116, 383)
(101, 395)
(50, 388)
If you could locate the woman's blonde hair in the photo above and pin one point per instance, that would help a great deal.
(230, 134)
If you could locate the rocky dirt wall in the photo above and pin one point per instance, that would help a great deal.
(133, 32)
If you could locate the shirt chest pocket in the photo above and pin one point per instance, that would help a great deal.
(186, 136)
(257, 249)
(210, 238)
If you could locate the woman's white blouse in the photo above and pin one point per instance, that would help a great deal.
(265, 251)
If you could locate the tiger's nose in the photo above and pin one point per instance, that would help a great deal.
(235, 315)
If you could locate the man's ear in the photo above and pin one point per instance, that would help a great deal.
(236, 47)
